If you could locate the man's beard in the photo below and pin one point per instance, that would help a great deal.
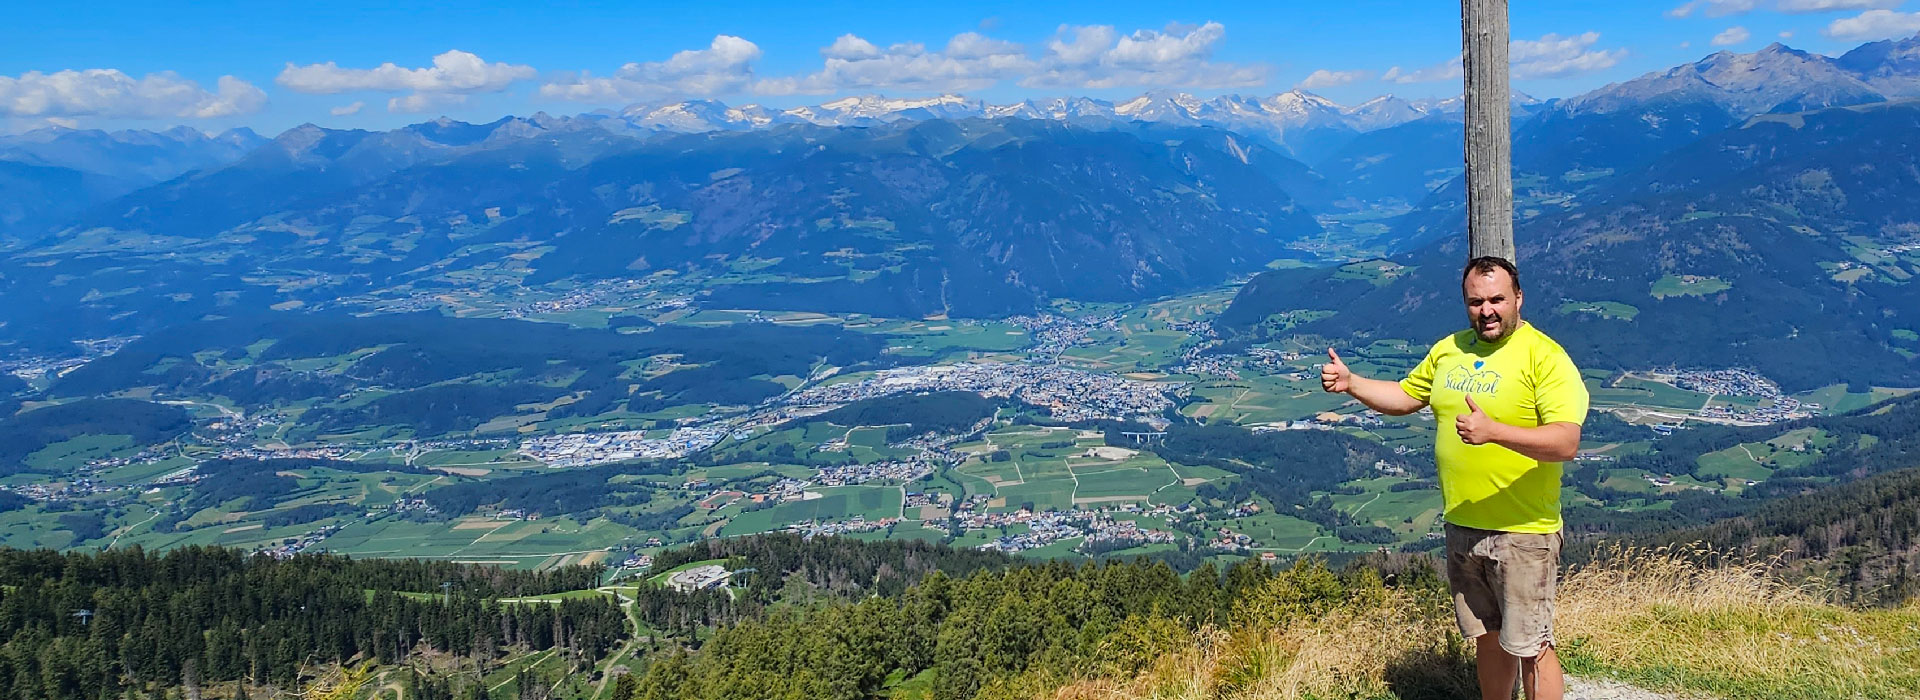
(1503, 329)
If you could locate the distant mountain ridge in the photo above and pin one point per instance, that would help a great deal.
(1293, 108)
(975, 217)
(945, 204)
(1777, 78)
(53, 173)
(49, 174)
(134, 155)
(1308, 125)
(1761, 246)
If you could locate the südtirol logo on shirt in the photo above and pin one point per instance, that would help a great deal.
(1478, 380)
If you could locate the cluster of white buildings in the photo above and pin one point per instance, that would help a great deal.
(318, 452)
(711, 576)
(1743, 382)
(1208, 366)
(1069, 394)
(77, 488)
(1271, 359)
(847, 475)
(1230, 541)
(35, 367)
(295, 545)
(1053, 334)
(1727, 382)
(638, 561)
(1055, 525)
(581, 449)
(851, 525)
(599, 293)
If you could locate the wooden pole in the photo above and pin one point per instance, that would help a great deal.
(1483, 40)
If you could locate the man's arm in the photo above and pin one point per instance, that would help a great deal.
(1553, 442)
(1378, 394)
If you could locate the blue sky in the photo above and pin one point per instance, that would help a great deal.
(271, 66)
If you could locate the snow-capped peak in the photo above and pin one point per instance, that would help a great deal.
(1273, 115)
(1299, 101)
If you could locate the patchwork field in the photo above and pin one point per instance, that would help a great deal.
(837, 503)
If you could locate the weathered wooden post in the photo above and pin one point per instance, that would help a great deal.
(1483, 44)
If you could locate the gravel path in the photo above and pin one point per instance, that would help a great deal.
(1599, 689)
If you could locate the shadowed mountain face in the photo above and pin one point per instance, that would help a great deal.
(51, 174)
(970, 217)
(134, 156)
(1773, 79)
(963, 217)
(1783, 244)
(1702, 190)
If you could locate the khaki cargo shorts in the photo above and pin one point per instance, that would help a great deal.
(1504, 582)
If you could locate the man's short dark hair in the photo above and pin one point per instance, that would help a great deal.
(1489, 263)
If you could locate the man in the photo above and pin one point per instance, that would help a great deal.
(1508, 405)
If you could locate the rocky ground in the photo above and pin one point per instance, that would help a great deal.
(1601, 689)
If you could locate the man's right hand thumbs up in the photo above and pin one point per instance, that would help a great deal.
(1334, 375)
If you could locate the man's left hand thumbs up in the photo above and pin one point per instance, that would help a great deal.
(1474, 427)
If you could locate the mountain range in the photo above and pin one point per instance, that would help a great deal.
(58, 172)
(1777, 244)
(1780, 174)
(967, 217)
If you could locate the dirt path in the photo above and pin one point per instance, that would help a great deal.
(423, 485)
(511, 678)
(626, 651)
(1600, 689)
(482, 536)
(129, 529)
(1363, 506)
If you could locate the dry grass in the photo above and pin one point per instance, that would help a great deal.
(1694, 619)
(1379, 643)
(1686, 620)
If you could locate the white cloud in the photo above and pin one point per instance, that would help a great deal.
(1149, 49)
(1786, 35)
(970, 61)
(1550, 56)
(344, 110)
(725, 66)
(1713, 8)
(1733, 35)
(1686, 44)
(851, 48)
(1097, 57)
(1324, 78)
(452, 72)
(425, 102)
(1448, 70)
(1555, 56)
(1724, 8)
(1075, 46)
(106, 92)
(1809, 6)
(1091, 57)
(1875, 24)
(975, 45)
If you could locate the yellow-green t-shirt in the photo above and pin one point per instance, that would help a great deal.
(1524, 379)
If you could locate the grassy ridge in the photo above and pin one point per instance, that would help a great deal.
(1662, 619)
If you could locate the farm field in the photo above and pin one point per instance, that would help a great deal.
(836, 503)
